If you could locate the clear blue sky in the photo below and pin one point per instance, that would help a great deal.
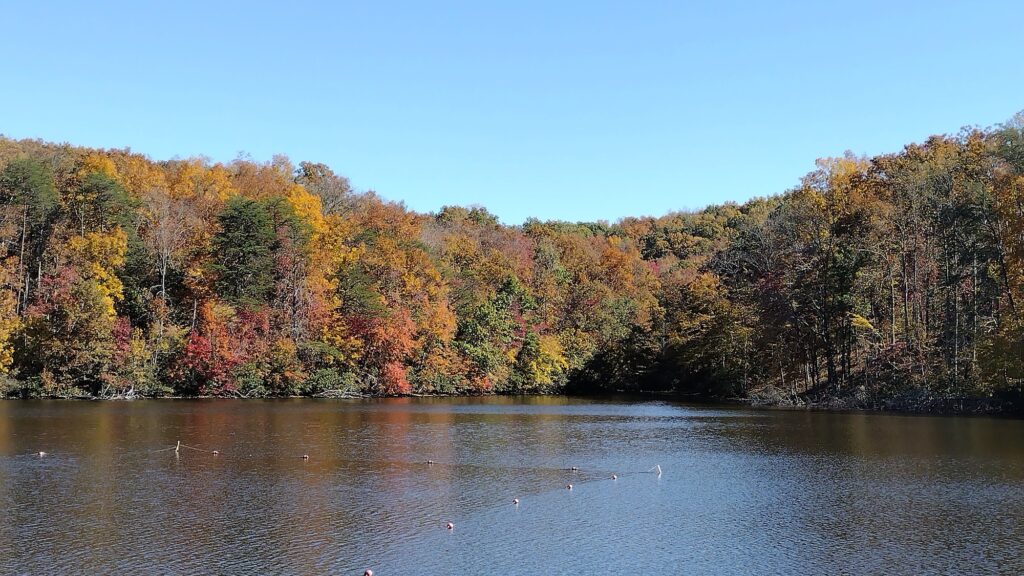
(572, 110)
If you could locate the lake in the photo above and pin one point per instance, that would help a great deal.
(741, 491)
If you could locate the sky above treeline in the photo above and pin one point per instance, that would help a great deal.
(557, 110)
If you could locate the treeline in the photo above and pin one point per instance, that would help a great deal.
(892, 281)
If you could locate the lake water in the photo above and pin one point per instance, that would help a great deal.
(742, 491)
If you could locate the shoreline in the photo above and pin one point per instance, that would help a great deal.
(842, 405)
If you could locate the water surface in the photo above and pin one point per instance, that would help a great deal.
(742, 491)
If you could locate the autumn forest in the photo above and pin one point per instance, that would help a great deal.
(888, 282)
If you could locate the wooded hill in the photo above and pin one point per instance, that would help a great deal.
(893, 281)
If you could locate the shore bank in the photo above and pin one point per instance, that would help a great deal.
(765, 398)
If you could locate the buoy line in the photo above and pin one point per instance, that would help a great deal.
(579, 477)
(578, 474)
(214, 452)
(177, 449)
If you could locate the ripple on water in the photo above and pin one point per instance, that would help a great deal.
(743, 492)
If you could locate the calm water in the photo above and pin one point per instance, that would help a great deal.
(741, 491)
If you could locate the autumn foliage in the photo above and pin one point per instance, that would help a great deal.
(896, 280)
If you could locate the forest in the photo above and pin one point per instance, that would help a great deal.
(889, 282)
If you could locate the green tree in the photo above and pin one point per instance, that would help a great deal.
(243, 259)
(30, 198)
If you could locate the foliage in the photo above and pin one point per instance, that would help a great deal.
(242, 251)
(873, 282)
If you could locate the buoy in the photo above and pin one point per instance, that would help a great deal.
(450, 526)
(305, 456)
(614, 477)
(515, 501)
(368, 573)
(568, 486)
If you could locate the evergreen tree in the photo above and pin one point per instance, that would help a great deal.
(242, 253)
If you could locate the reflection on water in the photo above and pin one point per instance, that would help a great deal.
(742, 491)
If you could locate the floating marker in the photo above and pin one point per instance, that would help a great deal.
(568, 486)
(450, 526)
(614, 477)
(515, 501)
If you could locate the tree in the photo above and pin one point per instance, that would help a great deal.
(69, 327)
(334, 191)
(242, 252)
(29, 196)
